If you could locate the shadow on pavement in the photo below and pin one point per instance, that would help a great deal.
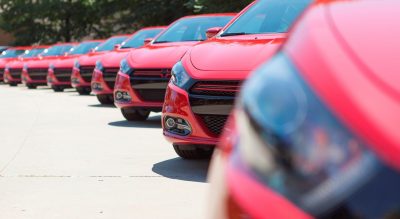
(151, 122)
(101, 106)
(186, 170)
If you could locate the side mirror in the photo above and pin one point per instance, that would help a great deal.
(117, 46)
(210, 33)
(148, 40)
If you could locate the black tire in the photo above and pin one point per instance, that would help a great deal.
(83, 90)
(31, 86)
(193, 152)
(135, 114)
(105, 99)
(13, 84)
(57, 89)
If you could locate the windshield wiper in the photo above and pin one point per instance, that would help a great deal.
(156, 42)
(233, 34)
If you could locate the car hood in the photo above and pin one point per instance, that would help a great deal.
(4, 62)
(240, 53)
(91, 59)
(164, 55)
(65, 63)
(113, 59)
(16, 64)
(41, 63)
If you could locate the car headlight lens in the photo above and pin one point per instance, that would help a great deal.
(76, 64)
(125, 68)
(179, 76)
(99, 66)
(292, 142)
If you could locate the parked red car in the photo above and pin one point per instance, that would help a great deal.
(60, 70)
(205, 82)
(84, 65)
(34, 72)
(315, 132)
(107, 66)
(7, 56)
(14, 68)
(144, 74)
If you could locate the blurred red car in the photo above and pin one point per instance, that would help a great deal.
(34, 72)
(60, 70)
(7, 56)
(204, 83)
(107, 66)
(144, 74)
(315, 132)
(84, 65)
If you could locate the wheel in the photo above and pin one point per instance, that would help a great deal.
(13, 84)
(193, 152)
(105, 99)
(57, 89)
(135, 114)
(83, 90)
(31, 86)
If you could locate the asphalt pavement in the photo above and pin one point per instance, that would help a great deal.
(65, 156)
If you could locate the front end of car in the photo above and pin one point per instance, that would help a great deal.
(59, 76)
(35, 76)
(81, 77)
(195, 111)
(103, 81)
(12, 76)
(296, 158)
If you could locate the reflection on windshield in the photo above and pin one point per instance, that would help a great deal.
(56, 50)
(109, 44)
(32, 53)
(11, 53)
(192, 29)
(268, 16)
(138, 39)
(83, 48)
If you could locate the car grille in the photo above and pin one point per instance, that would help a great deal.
(86, 73)
(216, 88)
(1, 73)
(109, 76)
(212, 101)
(38, 74)
(16, 73)
(214, 123)
(63, 74)
(151, 84)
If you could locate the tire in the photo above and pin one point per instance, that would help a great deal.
(13, 84)
(31, 86)
(193, 152)
(83, 90)
(57, 89)
(135, 114)
(105, 99)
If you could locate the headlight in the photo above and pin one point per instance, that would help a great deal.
(179, 76)
(295, 145)
(76, 64)
(99, 65)
(125, 68)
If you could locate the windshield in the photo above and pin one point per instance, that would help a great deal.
(192, 29)
(109, 44)
(56, 50)
(83, 48)
(268, 16)
(12, 53)
(32, 53)
(137, 40)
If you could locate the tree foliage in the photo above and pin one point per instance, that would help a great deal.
(50, 21)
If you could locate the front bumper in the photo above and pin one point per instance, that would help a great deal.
(177, 105)
(123, 85)
(52, 80)
(8, 78)
(99, 86)
(77, 81)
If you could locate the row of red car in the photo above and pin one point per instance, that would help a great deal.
(314, 130)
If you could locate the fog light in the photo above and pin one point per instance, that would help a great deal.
(122, 96)
(75, 80)
(97, 86)
(177, 126)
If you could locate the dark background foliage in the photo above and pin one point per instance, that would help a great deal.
(50, 21)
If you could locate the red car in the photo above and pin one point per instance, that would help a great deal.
(34, 72)
(144, 74)
(315, 132)
(84, 65)
(7, 56)
(204, 83)
(107, 66)
(60, 70)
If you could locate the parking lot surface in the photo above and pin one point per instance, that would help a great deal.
(65, 156)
